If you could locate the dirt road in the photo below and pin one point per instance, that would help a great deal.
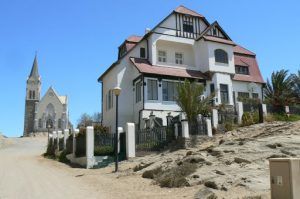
(25, 174)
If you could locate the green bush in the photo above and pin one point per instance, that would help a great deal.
(63, 157)
(250, 118)
(229, 126)
(104, 150)
(285, 117)
(50, 151)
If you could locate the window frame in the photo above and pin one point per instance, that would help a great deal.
(240, 70)
(222, 92)
(244, 95)
(178, 60)
(187, 25)
(221, 58)
(169, 98)
(142, 52)
(162, 58)
(153, 88)
(138, 92)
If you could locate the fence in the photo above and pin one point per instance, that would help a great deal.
(250, 107)
(153, 139)
(103, 143)
(198, 127)
(227, 116)
(295, 110)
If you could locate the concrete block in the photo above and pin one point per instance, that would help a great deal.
(185, 129)
(240, 111)
(130, 140)
(215, 118)
(90, 147)
(264, 108)
(66, 135)
(209, 129)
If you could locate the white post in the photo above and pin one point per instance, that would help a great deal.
(53, 136)
(185, 129)
(176, 130)
(215, 118)
(120, 130)
(90, 147)
(66, 135)
(76, 131)
(130, 140)
(287, 109)
(58, 137)
(264, 108)
(209, 129)
(240, 111)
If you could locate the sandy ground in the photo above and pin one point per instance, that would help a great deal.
(25, 174)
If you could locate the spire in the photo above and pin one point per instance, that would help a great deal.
(34, 71)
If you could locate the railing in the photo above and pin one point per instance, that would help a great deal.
(227, 116)
(250, 107)
(153, 139)
(199, 127)
(295, 110)
(103, 143)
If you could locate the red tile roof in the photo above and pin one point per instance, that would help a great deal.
(144, 66)
(219, 40)
(254, 72)
(134, 38)
(241, 50)
(183, 10)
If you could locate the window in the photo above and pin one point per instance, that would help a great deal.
(212, 89)
(138, 92)
(162, 56)
(188, 26)
(243, 95)
(244, 70)
(110, 99)
(33, 94)
(30, 94)
(142, 53)
(152, 89)
(224, 93)
(179, 58)
(255, 95)
(214, 32)
(169, 91)
(221, 56)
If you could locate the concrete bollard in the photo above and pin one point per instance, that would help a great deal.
(66, 135)
(130, 140)
(185, 129)
(209, 129)
(58, 137)
(90, 160)
(176, 130)
(287, 109)
(76, 131)
(240, 111)
(215, 118)
(264, 108)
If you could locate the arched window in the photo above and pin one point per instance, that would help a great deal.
(30, 94)
(221, 56)
(33, 94)
(49, 123)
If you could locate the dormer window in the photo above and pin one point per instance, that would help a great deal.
(214, 32)
(188, 26)
(162, 56)
(221, 56)
(244, 70)
(179, 58)
(142, 53)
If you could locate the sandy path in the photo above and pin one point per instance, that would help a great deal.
(25, 174)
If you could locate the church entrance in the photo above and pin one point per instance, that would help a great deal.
(49, 124)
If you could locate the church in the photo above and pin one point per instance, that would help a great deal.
(48, 112)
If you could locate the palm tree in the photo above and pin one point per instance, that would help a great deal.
(190, 101)
(297, 86)
(279, 90)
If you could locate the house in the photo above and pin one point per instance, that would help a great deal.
(50, 111)
(184, 45)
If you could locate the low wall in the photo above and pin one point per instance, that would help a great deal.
(82, 161)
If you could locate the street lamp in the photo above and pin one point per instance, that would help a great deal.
(117, 92)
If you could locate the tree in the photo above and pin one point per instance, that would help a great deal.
(190, 101)
(279, 90)
(97, 117)
(85, 120)
(296, 78)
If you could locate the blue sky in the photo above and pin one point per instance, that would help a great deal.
(77, 40)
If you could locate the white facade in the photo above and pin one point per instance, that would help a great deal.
(184, 42)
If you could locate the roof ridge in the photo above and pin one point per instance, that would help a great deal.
(184, 7)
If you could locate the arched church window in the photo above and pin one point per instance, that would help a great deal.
(30, 94)
(50, 110)
(49, 123)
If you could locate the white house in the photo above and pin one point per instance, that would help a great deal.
(182, 46)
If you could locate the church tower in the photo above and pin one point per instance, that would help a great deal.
(33, 88)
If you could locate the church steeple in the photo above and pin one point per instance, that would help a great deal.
(34, 70)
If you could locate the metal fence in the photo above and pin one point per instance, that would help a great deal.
(295, 110)
(227, 116)
(153, 139)
(198, 127)
(250, 107)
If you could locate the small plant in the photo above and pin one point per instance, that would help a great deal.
(104, 150)
(63, 157)
(229, 126)
(247, 119)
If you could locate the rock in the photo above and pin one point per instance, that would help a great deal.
(194, 159)
(227, 162)
(205, 193)
(208, 163)
(278, 144)
(221, 141)
(287, 153)
(277, 156)
(241, 143)
(241, 160)
(229, 143)
(196, 176)
(211, 184)
(189, 153)
(223, 188)
(229, 151)
(272, 146)
(220, 172)
(215, 153)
